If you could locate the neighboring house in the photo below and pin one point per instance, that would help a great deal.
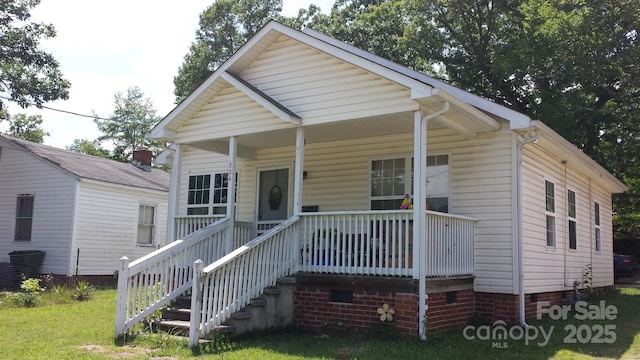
(326, 140)
(84, 211)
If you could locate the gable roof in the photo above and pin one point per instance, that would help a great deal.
(421, 85)
(83, 166)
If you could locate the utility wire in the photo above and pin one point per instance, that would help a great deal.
(62, 111)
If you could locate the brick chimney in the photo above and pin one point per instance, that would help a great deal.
(142, 159)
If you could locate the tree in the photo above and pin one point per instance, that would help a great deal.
(89, 147)
(224, 27)
(132, 119)
(28, 75)
(26, 127)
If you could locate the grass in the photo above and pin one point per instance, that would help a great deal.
(58, 329)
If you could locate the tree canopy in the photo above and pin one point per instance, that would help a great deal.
(224, 27)
(26, 127)
(28, 75)
(132, 118)
(572, 64)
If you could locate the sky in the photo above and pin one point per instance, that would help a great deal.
(107, 46)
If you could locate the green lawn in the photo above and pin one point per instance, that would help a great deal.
(84, 330)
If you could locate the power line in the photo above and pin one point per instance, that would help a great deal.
(62, 111)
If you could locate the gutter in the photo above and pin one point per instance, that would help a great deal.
(522, 140)
(419, 213)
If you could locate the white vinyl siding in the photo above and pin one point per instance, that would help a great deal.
(299, 78)
(547, 270)
(107, 226)
(21, 173)
(338, 180)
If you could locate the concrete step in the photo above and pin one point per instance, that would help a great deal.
(181, 328)
(241, 315)
(174, 313)
(272, 290)
(260, 301)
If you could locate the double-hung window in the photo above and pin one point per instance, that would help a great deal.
(596, 225)
(571, 217)
(146, 225)
(392, 179)
(24, 217)
(550, 209)
(207, 194)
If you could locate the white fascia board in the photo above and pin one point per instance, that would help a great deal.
(578, 158)
(268, 103)
(487, 121)
(166, 156)
(161, 133)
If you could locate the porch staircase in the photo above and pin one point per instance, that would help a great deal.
(272, 309)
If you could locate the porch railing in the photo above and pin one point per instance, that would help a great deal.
(229, 284)
(366, 243)
(381, 243)
(448, 247)
(147, 284)
(186, 225)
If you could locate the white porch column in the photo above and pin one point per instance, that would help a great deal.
(231, 192)
(297, 187)
(174, 193)
(297, 194)
(419, 209)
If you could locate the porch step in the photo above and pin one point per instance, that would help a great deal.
(174, 313)
(241, 315)
(260, 301)
(181, 328)
(272, 290)
(258, 314)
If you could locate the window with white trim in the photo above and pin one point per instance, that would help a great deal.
(392, 179)
(146, 225)
(207, 194)
(24, 217)
(550, 208)
(571, 219)
(596, 223)
(388, 183)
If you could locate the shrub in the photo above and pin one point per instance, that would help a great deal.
(28, 297)
(82, 291)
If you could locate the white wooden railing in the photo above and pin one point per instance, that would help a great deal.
(186, 225)
(229, 284)
(363, 243)
(381, 243)
(448, 246)
(151, 282)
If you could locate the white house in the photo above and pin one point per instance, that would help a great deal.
(325, 141)
(84, 212)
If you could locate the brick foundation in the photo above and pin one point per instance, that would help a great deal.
(506, 307)
(451, 304)
(313, 309)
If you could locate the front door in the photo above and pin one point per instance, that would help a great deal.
(273, 198)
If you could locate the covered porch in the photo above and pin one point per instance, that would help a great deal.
(377, 243)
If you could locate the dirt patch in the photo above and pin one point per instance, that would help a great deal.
(128, 351)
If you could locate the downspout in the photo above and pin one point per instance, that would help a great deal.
(419, 213)
(521, 142)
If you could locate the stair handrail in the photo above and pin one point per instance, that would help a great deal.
(229, 284)
(154, 280)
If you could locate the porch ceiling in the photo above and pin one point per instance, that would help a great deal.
(357, 128)
(457, 119)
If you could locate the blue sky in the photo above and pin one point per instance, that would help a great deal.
(107, 46)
